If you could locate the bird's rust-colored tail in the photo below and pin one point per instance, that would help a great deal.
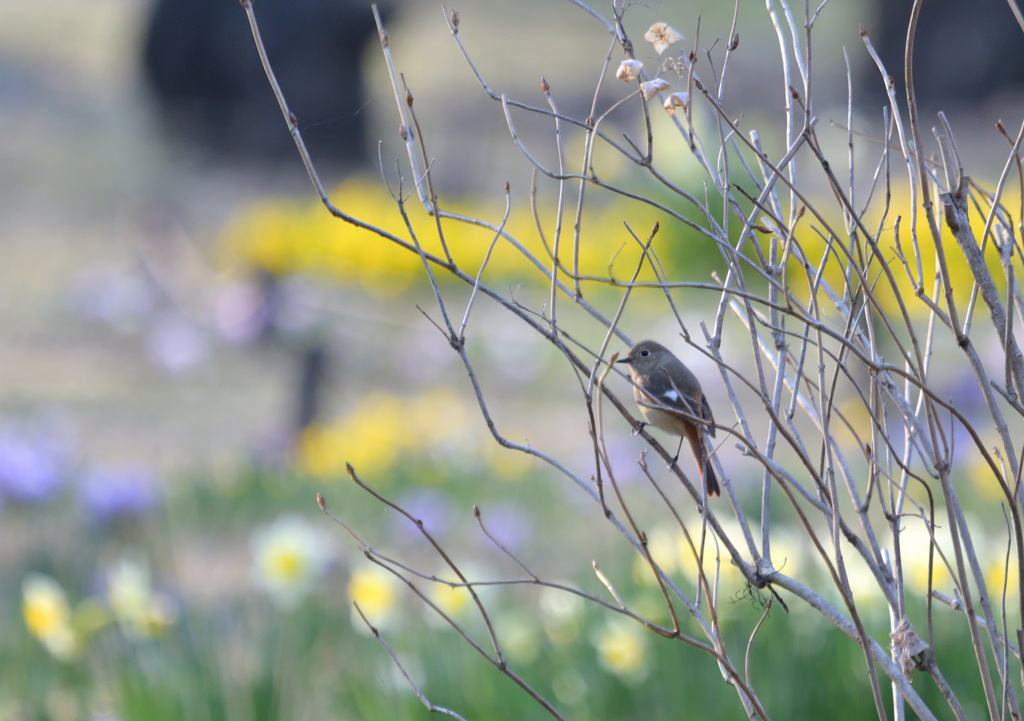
(700, 452)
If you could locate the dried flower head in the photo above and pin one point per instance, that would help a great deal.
(677, 100)
(661, 36)
(628, 70)
(653, 87)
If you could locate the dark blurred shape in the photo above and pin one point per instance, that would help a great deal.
(201, 61)
(314, 366)
(964, 51)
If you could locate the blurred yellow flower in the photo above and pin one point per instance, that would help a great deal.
(381, 429)
(996, 575)
(369, 438)
(914, 552)
(140, 611)
(961, 278)
(790, 551)
(863, 583)
(991, 549)
(503, 463)
(983, 479)
(47, 615)
(852, 437)
(672, 552)
(284, 237)
(622, 649)
(454, 601)
(663, 543)
(996, 556)
(375, 590)
(289, 558)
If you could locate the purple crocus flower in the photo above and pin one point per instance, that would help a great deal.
(31, 467)
(111, 494)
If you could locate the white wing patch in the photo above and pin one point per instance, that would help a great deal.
(671, 395)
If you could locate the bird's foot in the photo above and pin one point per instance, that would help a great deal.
(640, 426)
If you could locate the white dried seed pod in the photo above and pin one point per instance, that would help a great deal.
(628, 70)
(653, 87)
(677, 100)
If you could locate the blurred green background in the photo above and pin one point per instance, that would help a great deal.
(191, 349)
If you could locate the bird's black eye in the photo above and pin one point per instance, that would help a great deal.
(644, 353)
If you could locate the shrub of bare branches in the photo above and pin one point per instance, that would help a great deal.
(840, 322)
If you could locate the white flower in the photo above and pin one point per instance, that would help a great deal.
(140, 611)
(653, 87)
(289, 557)
(628, 70)
(661, 36)
(677, 100)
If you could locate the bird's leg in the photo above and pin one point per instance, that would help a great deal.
(679, 448)
(640, 426)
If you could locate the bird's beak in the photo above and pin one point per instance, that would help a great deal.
(622, 360)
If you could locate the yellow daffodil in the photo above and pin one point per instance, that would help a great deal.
(47, 615)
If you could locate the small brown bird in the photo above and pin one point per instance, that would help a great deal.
(666, 391)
